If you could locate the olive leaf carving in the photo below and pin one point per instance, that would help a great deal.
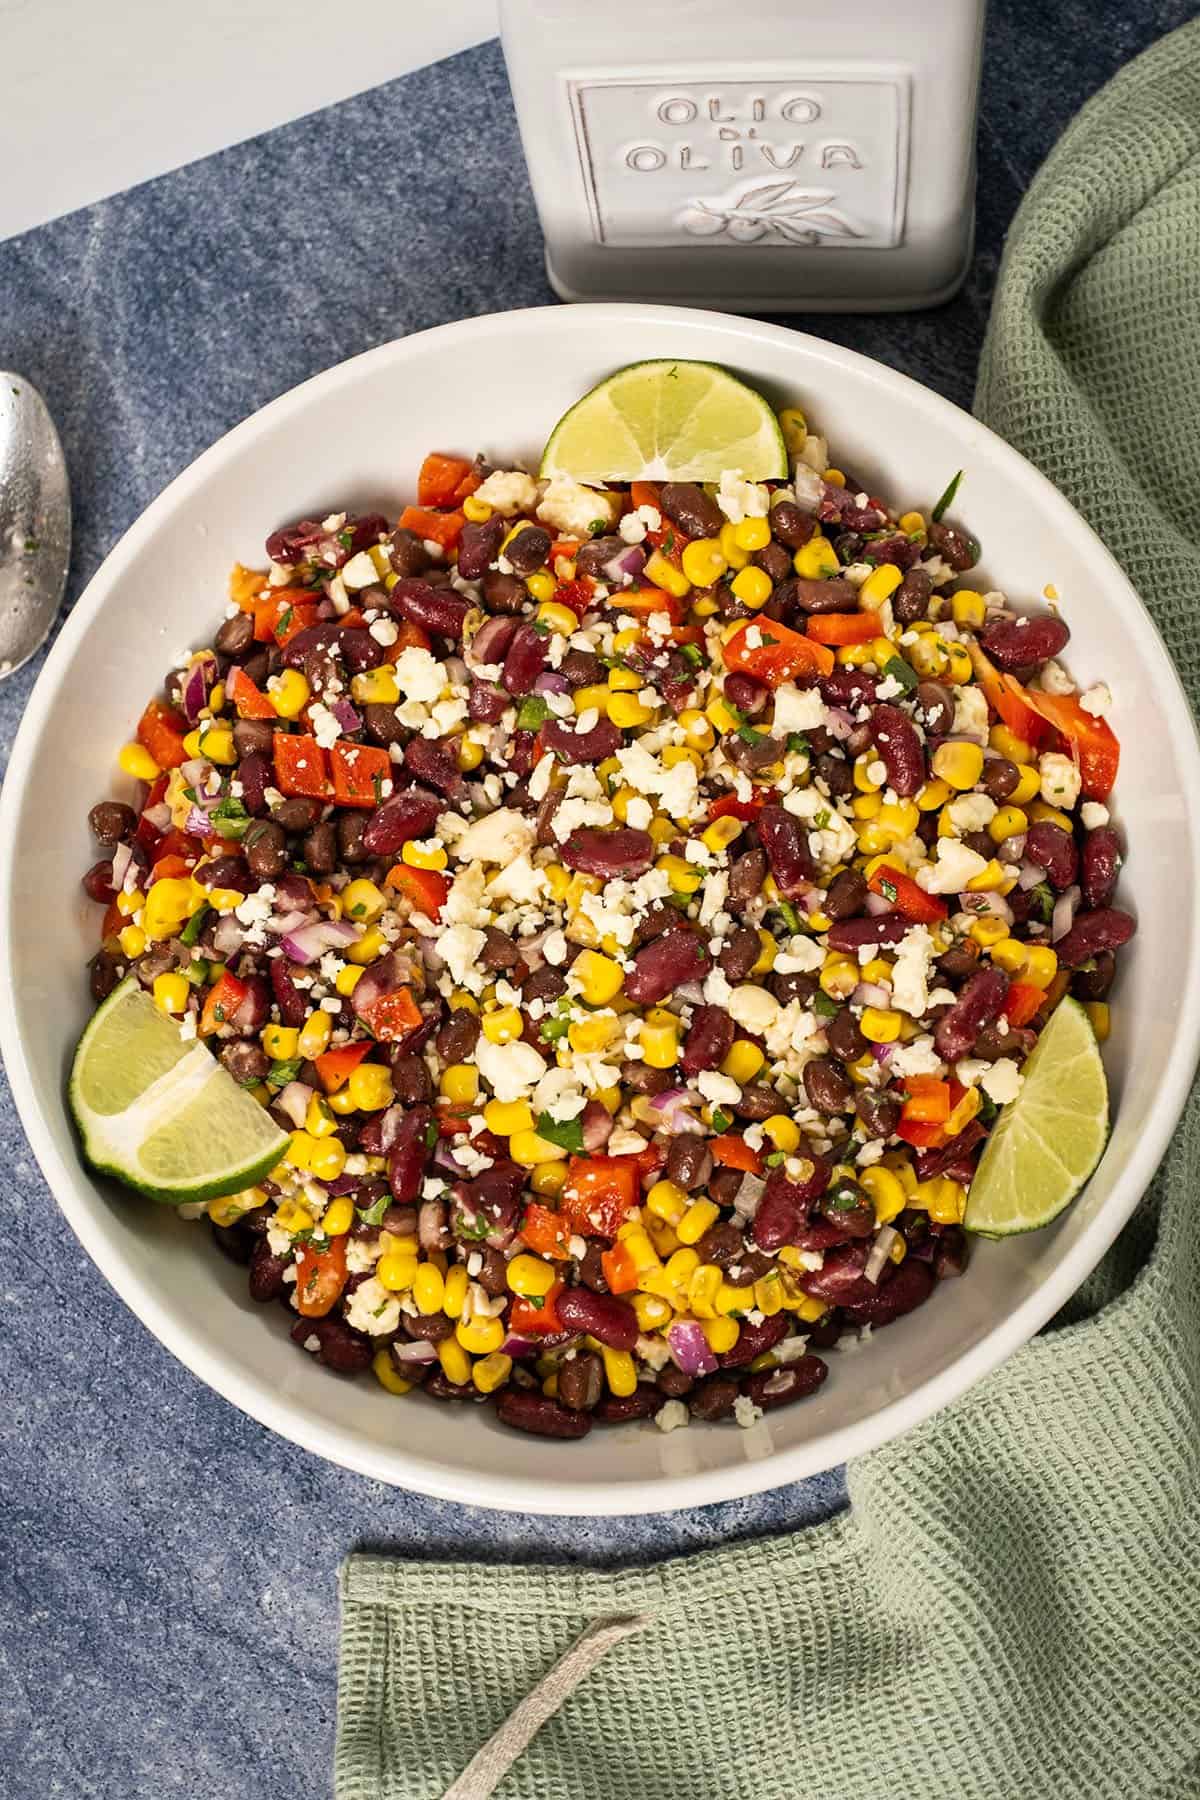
(783, 209)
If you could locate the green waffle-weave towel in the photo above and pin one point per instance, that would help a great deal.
(1012, 1605)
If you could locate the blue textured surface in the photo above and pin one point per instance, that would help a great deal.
(167, 1599)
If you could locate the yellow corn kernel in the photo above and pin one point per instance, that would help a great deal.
(319, 1122)
(347, 979)
(166, 907)
(659, 1039)
(886, 1192)
(722, 1334)
(548, 1178)
(600, 978)
(879, 586)
(794, 427)
(927, 655)
(506, 1116)
(528, 1149)
(481, 1335)
(456, 1364)
(703, 1287)
(362, 901)
(856, 656)
(636, 1240)
(735, 557)
(667, 1200)
(768, 1295)
(589, 1036)
(388, 1375)
(299, 1150)
(933, 795)
(743, 1062)
(696, 1221)
(417, 856)
(370, 1087)
(132, 940)
(834, 477)
(216, 742)
(730, 1299)
(550, 1386)
(879, 1026)
(705, 607)
(1007, 821)
(962, 1114)
(128, 904)
(530, 1276)
(959, 765)
(478, 511)
(327, 1159)
(681, 1266)
(752, 534)
(370, 945)
(470, 754)
(627, 711)
(959, 668)
(191, 742)
(815, 559)
(768, 951)
(227, 1209)
(341, 1102)
(171, 993)
(338, 1216)
(698, 731)
(627, 640)
(866, 806)
(839, 977)
(864, 778)
(491, 1372)
(752, 586)
(1010, 955)
(897, 819)
(541, 587)
(1043, 814)
(968, 608)
(135, 760)
(662, 831)
(988, 932)
(684, 877)
(291, 1216)
(651, 1311)
(429, 1288)
(662, 1236)
(990, 879)
(620, 1370)
(718, 836)
(502, 1026)
(663, 574)
(459, 1084)
(943, 1199)
(717, 713)
(625, 681)
(374, 687)
(1029, 785)
(1098, 1012)
(911, 523)
(1041, 965)
(783, 1132)
(454, 1296)
(593, 698)
(313, 1038)
(621, 802)
(1007, 743)
(280, 1042)
(703, 562)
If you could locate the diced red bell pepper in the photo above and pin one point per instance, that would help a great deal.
(171, 867)
(781, 653)
(928, 1099)
(843, 628)
(221, 1002)
(162, 730)
(599, 1192)
(425, 889)
(922, 1134)
(280, 613)
(1022, 1001)
(528, 1318)
(114, 920)
(300, 766)
(442, 480)
(1091, 741)
(408, 637)
(650, 1160)
(443, 528)
(576, 594)
(645, 600)
(915, 904)
(394, 1016)
(292, 620)
(620, 1270)
(1007, 698)
(320, 1277)
(359, 771)
(730, 807)
(250, 701)
(335, 1067)
(546, 1232)
(733, 1152)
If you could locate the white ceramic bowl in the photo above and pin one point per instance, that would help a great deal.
(354, 436)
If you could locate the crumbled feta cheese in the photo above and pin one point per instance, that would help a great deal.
(917, 1058)
(671, 1415)
(509, 1069)
(956, 865)
(520, 882)
(971, 812)
(554, 949)
(508, 491)
(1003, 1081)
(360, 571)
(498, 838)
(910, 973)
(678, 788)
(745, 1411)
(362, 1254)
(718, 1089)
(1093, 815)
(740, 499)
(325, 727)
(1097, 700)
(384, 631)
(1053, 679)
(971, 713)
(372, 1309)
(753, 1008)
(798, 709)
(418, 675)
(1060, 778)
(460, 947)
(573, 509)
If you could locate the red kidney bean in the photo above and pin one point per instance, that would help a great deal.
(977, 1005)
(711, 1400)
(524, 660)
(537, 1413)
(881, 928)
(748, 695)
(841, 1275)
(956, 547)
(899, 747)
(291, 1001)
(256, 776)
(909, 1287)
(486, 703)
(746, 876)
(780, 1387)
(619, 1409)
(1105, 929)
(847, 1207)
(1016, 643)
(611, 1320)
(1053, 850)
(695, 512)
(754, 1339)
(411, 814)
(435, 763)
(479, 545)
(950, 1253)
(354, 644)
(266, 1273)
(573, 747)
(827, 1233)
(1099, 866)
(581, 1381)
(624, 852)
(433, 1230)
(439, 610)
(406, 1161)
(339, 1347)
(783, 1209)
(849, 688)
(97, 883)
(785, 839)
(491, 641)
(954, 1158)
(253, 1008)
(934, 707)
(666, 964)
(709, 1040)
(820, 596)
(910, 601)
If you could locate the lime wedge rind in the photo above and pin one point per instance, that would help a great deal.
(188, 1132)
(1047, 1142)
(667, 421)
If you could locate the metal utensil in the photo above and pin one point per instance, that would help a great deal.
(35, 521)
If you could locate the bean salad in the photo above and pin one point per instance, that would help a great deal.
(636, 904)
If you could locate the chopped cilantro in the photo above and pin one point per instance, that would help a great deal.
(823, 1006)
(229, 818)
(280, 1073)
(987, 1108)
(748, 734)
(596, 527)
(1043, 899)
(284, 621)
(301, 868)
(790, 915)
(541, 627)
(776, 1157)
(195, 925)
(345, 539)
(947, 498)
(692, 653)
(901, 672)
(431, 1134)
(377, 785)
(821, 819)
(721, 1120)
(534, 712)
(888, 890)
(196, 972)
(797, 743)
(844, 1196)
(566, 1133)
(373, 1215)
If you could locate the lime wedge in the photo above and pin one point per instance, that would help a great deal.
(161, 1114)
(668, 421)
(1049, 1139)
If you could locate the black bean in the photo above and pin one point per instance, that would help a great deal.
(500, 951)
(246, 1061)
(543, 984)
(382, 725)
(503, 593)
(723, 1243)
(828, 1086)
(758, 1101)
(581, 1381)
(591, 1270)
(253, 736)
(479, 545)
(740, 953)
(836, 773)
(714, 1397)
(790, 525)
(911, 599)
(774, 559)
(1000, 777)
(266, 1273)
(934, 707)
(1094, 979)
(296, 814)
(493, 1273)
(844, 1037)
(580, 668)
(235, 636)
(319, 849)
(529, 549)
(411, 1079)
(673, 1382)
(846, 896)
(351, 827)
(265, 844)
(640, 1078)
(104, 972)
(111, 822)
(747, 875)
(689, 1162)
(879, 1112)
(407, 553)
(593, 555)
(695, 512)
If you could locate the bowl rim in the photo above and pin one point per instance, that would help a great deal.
(402, 1466)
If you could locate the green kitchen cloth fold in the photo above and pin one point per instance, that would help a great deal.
(1011, 1607)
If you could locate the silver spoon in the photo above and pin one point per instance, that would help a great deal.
(35, 521)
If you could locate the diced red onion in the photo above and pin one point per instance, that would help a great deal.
(1030, 875)
(672, 1108)
(1012, 849)
(196, 684)
(159, 817)
(981, 906)
(454, 670)
(517, 1347)
(293, 1101)
(691, 993)
(596, 1124)
(229, 934)
(121, 863)
(872, 993)
(881, 1052)
(195, 771)
(689, 1348)
(746, 1200)
(346, 716)
(551, 682)
(878, 904)
(418, 1350)
(838, 723)
(326, 610)
(308, 942)
(196, 824)
(282, 923)
(625, 566)
(1063, 916)
(881, 1249)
